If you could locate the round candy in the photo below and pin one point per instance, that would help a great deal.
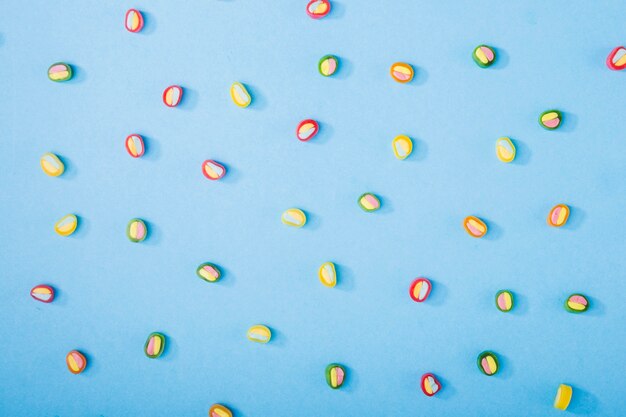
(172, 95)
(430, 384)
(335, 375)
(60, 71)
(484, 56)
(66, 225)
(369, 202)
(52, 165)
(550, 119)
(558, 215)
(402, 146)
(76, 362)
(328, 274)
(488, 363)
(504, 300)
(134, 145)
(474, 226)
(317, 9)
(155, 344)
(259, 333)
(136, 230)
(293, 217)
(563, 397)
(420, 289)
(505, 149)
(133, 21)
(617, 59)
(240, 95)
(307, 129)
(218, 410)
(43, 293)
(328, 65)
(576, 303)
(401, 72)
(213, 170)
(209, 272)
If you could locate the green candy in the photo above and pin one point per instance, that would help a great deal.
(484, 56)
(209, 272)
(328, 65)
(488, 363)
(335, 375)
(155, 344)
(60, 71)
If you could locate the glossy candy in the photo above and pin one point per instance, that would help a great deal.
(576, 303)
(328, 274)
(259, 333)
(209, 272)
(213, 170)
(43, 293)
(563, 397)
(316, 9)
(133, 20)
(134, 145)
(369, 202)
(307, 129)
(504, 300)
(558, 215)
(430, 384)
(505, 149)
(328, 65)
(66, 225)
(52, 165)
(172, 95)
(219, 410)
(488, 363)
(240, 95)
(474, 226)
(402, 146)
(155, 344)
(617, 59)
(420, 289)
(293, 217)
(335, 375)
(550, 119)
(136, 230)
(402, 72)
(60, 71)
(484, 56)
(76, 362)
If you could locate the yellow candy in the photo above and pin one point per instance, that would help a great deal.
(402, 146)
(293, 217)
(240, 95)
(505, 149)
(259, 333)
(52, 165)
(563, 397)
(219, 410)
(66, 225)
(328, 274)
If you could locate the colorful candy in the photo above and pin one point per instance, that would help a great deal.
(505, 149)
(155, 344)
(293, 217)
(550, 119)
(335, 375)
(369, 202)
(420, 289)
(402, 146)
(563, 397)
(76, 362)
(307, 129)
(213, 170)
(172, 95)
(328, 274)
(60, 71)
(430, 384)
(259, 333)
(474, 226)
(504, 300)
(316, 9)
(136, 230)
(133, 21)
(43, 293)
(402, 72)
(219, 410)
(328, 65)
(558, 215)
(66, 225)
(52, 165)
(576, 303)
(484, 56)
(617, 59)
(240, 95)
(134, 145)
(488, 363)
(209, 272)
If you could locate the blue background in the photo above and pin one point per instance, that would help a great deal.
(112, 293)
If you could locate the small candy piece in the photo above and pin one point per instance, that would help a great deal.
(293, 217)
(172, 95)
(369, 202)
(328, 65)
(474, 226)
(328, 274)
(134, 145)
(316, 9)
(484, 56)
(420, 289)
(505, 149)
(218, 410)
(558, 215)
(133, 20)
(307, 129)
(550, 119)
(504, 300)
(60, 71)
(488, 363)
(76, 362)
(136, 230)
(430, 384)
(402, 146)
(259, 333)
(576, 303)
(401, 72)
(66, 225)
(335, 375)
(209, 272)
(213, 170)
(617, 59)
(52, 165)
(43, 293)
(154, 345)
(563, 397)
(240, 95)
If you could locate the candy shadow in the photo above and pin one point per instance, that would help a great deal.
(278, 338)
(70, 168)
(351, 381)
(344, 70)
(227, 279)
(323, 135)
(583, 402)
(520, 304)
(575, 219)
(78, 75)
(170, 352)
(153, 235)
(494, 232)
(505, 367)
(337, 11)
(152, 149)
(569, 122)
(420, 150)
(91, 368)
(60, 298)
(189, 100)
(596, 307)
(502, 59)
(149, 23)
(447, 390)
(345, 278)
(236, 411)
(420, 77)
(438, 294)
(233, 175)
(82, 228)
(386, 207)
(522, 153)
(259, 102)
(313, 222)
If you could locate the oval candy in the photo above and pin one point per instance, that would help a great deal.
(52, 165)
(328, 65)
(328, 274)
(369, 202)
(505, 149)
(474, 226)
(293, 217)
(488, 363)
(60, 71)
(577, 303)
(76, 362)
(133, 21)
(172, 95)
(240, 95)
(316, 9)
(617, 59)
(558, 215)
(335, 375)
(134, 145)
(402, 72)
(43, 293)
(66, 225)
(213, 170)
(550, 119)
(430, 384)
(209, 272)
(259, 334)
(136, 230)
(307, 129)
(504, 300)
(484, 56)
(402, 146)
(420, 289)
(155, 344)
(219, 410)
(563, 397)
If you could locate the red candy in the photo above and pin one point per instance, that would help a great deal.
(420, 289)
(43, 293)
(430, 384)
(316, 9)
(617, 59)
